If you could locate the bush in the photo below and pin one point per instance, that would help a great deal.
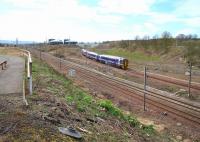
(132, 121)
(148, 129)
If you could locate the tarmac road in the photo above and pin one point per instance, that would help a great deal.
(11, 78)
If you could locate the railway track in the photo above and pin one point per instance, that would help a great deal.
(158, 77)
(128, 91)
(163, 78)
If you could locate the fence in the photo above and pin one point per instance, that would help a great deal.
(29, 69)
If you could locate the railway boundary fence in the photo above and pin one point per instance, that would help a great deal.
(28, 65)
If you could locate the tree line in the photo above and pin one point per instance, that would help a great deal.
(162, 44)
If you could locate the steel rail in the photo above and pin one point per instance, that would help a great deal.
(167, 79)
(120, 89)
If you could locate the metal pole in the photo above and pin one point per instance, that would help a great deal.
(190, 78)
(40, 53)
(145, 83)
(30, 80)
(60, 63)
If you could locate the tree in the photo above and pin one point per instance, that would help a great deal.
(192, 53)
(166, 40)
(155, 41)
(166, 35)
(194, 36)
(180, 37)
(145, 41)
(124, 44)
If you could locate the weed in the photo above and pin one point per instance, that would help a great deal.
(108, 105)
(69, 98)
(131, 120)
(148, 129)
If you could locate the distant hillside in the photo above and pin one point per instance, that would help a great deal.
(14, 42)
(167, 48)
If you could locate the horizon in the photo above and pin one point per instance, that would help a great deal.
(97, 20)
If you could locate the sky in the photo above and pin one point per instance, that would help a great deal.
(96, 20)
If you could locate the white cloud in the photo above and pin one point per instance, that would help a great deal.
(126, 6)
(144, 29)
(188, 8)
(162, 18)
(185, 31)
(38, 19)
(192, 22)
(32, 20)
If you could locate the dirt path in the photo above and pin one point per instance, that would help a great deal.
(11, 78)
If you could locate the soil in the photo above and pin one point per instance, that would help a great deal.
(162, 121)
(47, 111)
(39, 121)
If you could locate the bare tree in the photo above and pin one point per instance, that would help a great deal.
(166, 40)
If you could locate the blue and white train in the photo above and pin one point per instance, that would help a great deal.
(107, 59)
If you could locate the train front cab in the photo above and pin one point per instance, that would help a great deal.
(125, 64)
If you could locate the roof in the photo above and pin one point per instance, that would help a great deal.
(112, 57)
(92, 53)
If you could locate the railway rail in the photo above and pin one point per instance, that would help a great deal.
(154, 76)
(163, 78)
(126, 90)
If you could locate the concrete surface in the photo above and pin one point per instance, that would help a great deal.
(11, 78)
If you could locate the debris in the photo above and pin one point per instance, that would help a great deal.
(164, 113)
(70, 132)
(91, 120)
(100, 119)
(77, 119)
(57, 112)
(84, 130)
(9, 128)
(51, 119)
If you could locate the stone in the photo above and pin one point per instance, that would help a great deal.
(182, 90)
(187, 73)
(179, 137)
(178, 124)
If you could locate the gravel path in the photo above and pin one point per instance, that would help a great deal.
(11, 78)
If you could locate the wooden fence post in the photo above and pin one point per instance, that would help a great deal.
(145, 83)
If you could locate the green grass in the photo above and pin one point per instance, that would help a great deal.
(133, 56)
